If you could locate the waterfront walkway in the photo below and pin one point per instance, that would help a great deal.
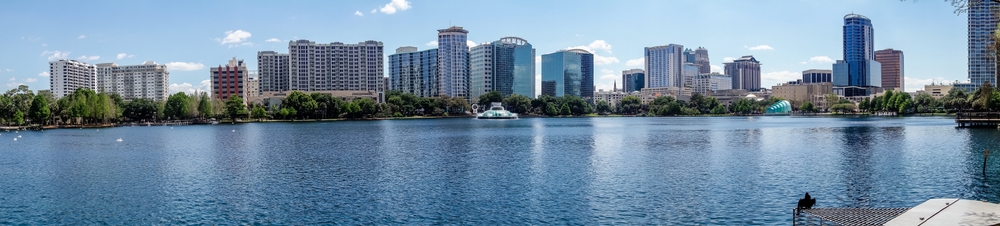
(977, 119)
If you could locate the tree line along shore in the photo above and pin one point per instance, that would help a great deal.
(20, 107)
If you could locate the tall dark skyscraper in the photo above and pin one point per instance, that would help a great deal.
(892, 68)
(745, 73)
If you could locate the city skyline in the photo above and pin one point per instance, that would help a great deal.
(190, 45)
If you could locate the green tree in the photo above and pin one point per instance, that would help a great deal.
(565, 110)
(39, 112)
(718, 110)
(18, 118)
(258, 113)
(303, 104)
(518, 103)
(205, 106)
(551, 110)
(490, 97)
(367, 106)
(831, 99)
(807, 107)
(603, 107)
(235, 108)
(842, 108)
(140, 110)
(176, 106)
(630, 105)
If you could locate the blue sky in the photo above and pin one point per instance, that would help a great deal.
(787, 36)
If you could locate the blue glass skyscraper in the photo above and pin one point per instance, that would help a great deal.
(414, 72)
(568, 72)
(506, 65)
(859, 68)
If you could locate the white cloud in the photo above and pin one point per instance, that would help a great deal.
(636, 62)
(43, 74)
(205, 86)
(759, 47)
(273, 40)
(56, 55)
(374, 10)
(81, 37)
(30, 80)
(184, 66)
(470, 43)
(717, 68)
(433, 43)
(358, 13)
(728, 59)
(602, 60)
(9, 70)
(777, 77)
(12, 79)
(237, 37)
(822, 59)
(595, 45)
(85, 57)
(43, 45)
(395, 5)
(913, 84)
(14, 84)
(123, 56)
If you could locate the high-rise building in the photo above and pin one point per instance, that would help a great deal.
(701, 59)
(335, 66)
(66, 76)
(230, 79)
(506, 65)
(273, 69)
(689, 71)
(311, 66)
(568, 72)
(862, 71)
(892, 68)
(663, 66)
(633, 80)
(414, 72)
(982, 23)
(689, 56)
(253, 84)
(709, 83)
(147, 80)
(745, 73)
(453, 62)
(817, 76)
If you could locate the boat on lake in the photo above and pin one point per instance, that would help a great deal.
(497, 112)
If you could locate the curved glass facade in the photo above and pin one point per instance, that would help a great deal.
(568, 72)
(859, 52)
(781, 107)
(506, 65)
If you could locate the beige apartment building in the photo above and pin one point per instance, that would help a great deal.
(798, 94)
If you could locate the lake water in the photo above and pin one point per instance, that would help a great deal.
(676, 170)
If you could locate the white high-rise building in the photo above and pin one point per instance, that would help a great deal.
(147, 80)
(664, 66)
(708, 83)
(453, 62)
(253, 84)
(65, 76)
(273, 69)
(335, 66)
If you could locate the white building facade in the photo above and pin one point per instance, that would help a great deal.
(273, 69)
(664, 65)
(708, 83)
(453, 62)
(335, 66)
(66, 76)
(147, 80)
